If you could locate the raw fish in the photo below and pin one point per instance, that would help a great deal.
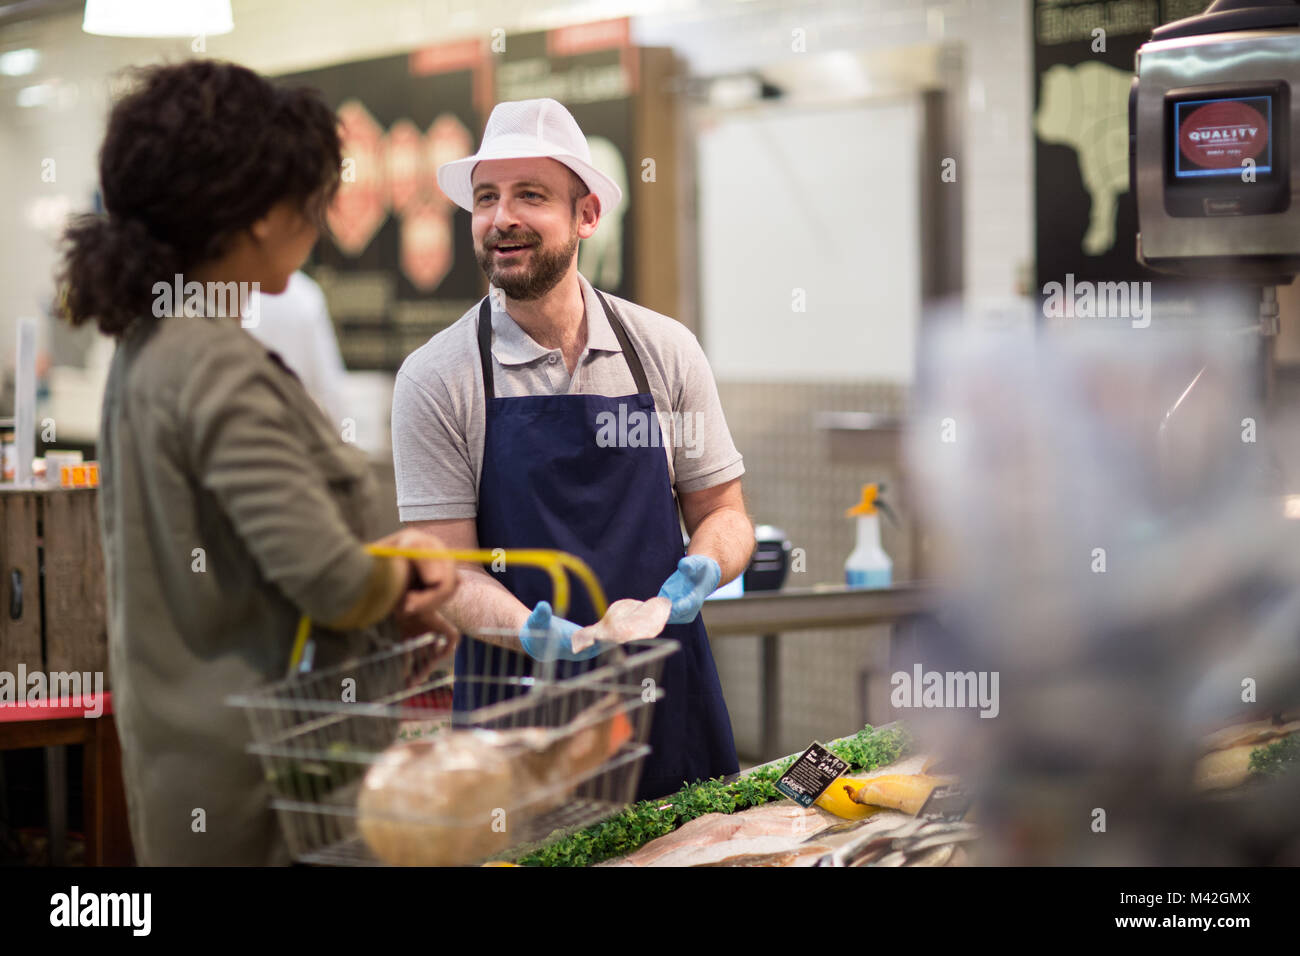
(783, 826)
(626, 620)
(802, 856)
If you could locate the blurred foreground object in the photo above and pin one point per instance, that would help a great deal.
(1109, 507)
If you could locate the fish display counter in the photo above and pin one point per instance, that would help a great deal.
(837, 830)
(894, 805)
(868, 815)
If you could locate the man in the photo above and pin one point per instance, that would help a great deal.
(504, 437)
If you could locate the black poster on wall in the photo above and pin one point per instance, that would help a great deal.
(397, 264)
(1084, 57)
(592, 69)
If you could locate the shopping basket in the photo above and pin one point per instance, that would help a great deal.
(317, 734)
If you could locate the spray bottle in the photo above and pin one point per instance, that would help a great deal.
(868, 566)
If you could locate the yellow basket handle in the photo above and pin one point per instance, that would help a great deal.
(555, 563)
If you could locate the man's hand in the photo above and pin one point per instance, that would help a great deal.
(696, 577)
(481, 605)
(549, 638)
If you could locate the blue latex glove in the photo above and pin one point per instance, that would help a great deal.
(695, 579)
(549, 638)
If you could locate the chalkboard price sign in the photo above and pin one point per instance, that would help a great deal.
(810, 775)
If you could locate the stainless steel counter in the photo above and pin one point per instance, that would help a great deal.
(801, 609)
(766, 614)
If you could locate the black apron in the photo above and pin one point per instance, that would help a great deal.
(546, 483)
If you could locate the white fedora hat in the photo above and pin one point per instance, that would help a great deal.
(524, 129)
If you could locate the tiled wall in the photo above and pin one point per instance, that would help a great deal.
(792, 480)
(791, 477)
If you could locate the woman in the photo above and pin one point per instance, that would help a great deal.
(229, 506)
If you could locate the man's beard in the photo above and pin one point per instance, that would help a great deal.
(533, 281)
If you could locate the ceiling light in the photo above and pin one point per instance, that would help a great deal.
(158, 18)
(19, 62)
(42, 94)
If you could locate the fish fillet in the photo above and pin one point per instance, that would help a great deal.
(785, 819)
(935, 856)
(1252, 733)
(802, 856)
(626, 620)
(905, 792)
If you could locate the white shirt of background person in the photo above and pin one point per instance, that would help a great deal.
(296, 325)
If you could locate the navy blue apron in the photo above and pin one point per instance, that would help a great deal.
(546, 483)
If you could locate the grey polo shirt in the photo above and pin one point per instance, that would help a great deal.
(438, 401)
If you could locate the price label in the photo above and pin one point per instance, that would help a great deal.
(948, 802)
(810, 775)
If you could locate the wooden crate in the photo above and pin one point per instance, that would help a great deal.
(20, 587)
(61, 626)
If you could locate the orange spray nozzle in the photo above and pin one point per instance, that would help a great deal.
(871, 503)
(868, 504)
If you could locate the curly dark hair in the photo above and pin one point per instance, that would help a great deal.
(195, 154)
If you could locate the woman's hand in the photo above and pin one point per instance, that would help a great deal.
(430, 582)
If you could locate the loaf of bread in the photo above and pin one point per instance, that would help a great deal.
(466, 795)
(431, 802)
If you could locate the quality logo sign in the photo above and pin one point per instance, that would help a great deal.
(1220, 135)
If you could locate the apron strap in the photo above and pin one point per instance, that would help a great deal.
(629, 353)
(485, 347)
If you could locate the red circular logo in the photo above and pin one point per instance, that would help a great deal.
(1220, 135)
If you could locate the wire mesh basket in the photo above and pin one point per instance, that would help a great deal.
(460, 769)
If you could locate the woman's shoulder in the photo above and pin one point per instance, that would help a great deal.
(166, 353)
